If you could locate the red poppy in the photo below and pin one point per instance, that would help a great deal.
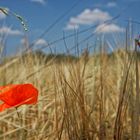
(16, 95)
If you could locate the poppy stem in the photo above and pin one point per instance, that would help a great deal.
(19, 116)
(24, 131)
(18, 113)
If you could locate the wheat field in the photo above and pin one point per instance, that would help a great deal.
(90, 97)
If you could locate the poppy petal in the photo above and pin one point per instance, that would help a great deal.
(4, 106)
(16, 95)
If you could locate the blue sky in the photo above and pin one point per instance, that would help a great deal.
(41, 14)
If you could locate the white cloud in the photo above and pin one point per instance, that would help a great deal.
(108, 28)
(23, 41)
(41, 42)
(39, 1)
(9, 31)
(88, 17)
(71, 27)
(111, 4)
(2, 15)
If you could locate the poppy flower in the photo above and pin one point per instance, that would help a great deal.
(16, 95)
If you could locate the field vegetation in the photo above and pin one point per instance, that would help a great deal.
(93, 96)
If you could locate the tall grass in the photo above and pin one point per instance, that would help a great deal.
(89, 97)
